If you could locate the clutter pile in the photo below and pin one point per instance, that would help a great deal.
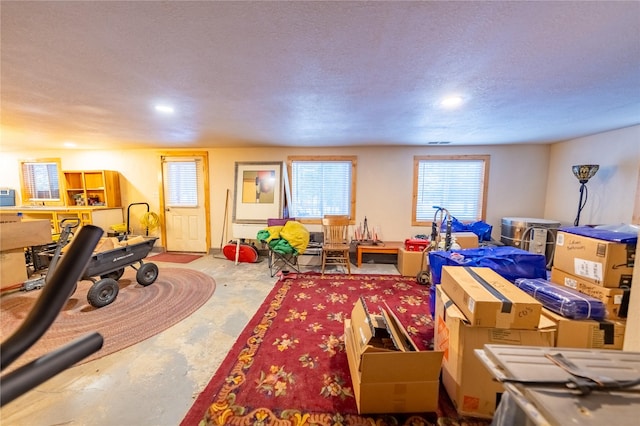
(506, 296)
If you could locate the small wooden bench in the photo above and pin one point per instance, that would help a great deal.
(389, 247)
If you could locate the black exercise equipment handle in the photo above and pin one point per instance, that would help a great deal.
(46, 309)
(67, 225)
(42, 369)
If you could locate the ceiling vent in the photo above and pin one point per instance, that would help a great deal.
(438, 143)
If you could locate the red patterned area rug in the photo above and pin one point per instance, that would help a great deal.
(289, 365)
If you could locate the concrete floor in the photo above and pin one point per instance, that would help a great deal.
(156, 381)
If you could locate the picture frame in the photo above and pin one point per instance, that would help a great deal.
(258, 193)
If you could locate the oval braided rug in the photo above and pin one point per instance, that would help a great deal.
(136, 314)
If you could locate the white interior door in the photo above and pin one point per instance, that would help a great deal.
(184, 205)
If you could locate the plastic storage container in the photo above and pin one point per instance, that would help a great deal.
(415, 244)
(7, 197)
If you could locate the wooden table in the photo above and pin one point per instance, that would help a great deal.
(389, 247)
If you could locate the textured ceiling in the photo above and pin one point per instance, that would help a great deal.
(315, 73)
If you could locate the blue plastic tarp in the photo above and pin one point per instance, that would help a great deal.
(601, 234)
(563, 301)
(510, 262)
(480, 228)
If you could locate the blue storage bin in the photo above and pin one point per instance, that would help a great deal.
(7, 197)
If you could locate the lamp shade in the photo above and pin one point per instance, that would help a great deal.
(584, 172)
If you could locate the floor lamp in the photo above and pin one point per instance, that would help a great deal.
(583, 173)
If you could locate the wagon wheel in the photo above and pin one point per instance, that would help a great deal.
(423, 278)
(147, 274)
(103, 292)
(115, 275)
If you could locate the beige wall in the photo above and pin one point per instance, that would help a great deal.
(517, 180)
(525, 180)
(611, 191)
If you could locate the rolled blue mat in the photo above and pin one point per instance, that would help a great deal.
(564, 301)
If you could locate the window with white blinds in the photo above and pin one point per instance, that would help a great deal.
(455, 183)
(182, 180)
(322, 187)
(41, 181)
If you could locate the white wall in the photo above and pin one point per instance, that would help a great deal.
(525, 180)
(610, 192)
(517, 179)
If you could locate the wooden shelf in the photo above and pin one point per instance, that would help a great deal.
(92, 188)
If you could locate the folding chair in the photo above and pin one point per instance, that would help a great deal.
(276, 260)
(335, 248)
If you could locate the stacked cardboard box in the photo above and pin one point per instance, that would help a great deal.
(587, 334)
(605, 263)
(599, 268)
(474, 307)
(616, 300)
(16, 235)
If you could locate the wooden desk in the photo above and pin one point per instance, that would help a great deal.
(389, 247)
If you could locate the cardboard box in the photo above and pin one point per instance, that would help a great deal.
(466, 240)
(25, 233)
(468, 382)
(410, 262)
(607, 263)
(13, 268)
(587, 334)
(387, 379)
(616, 300)
(488, 300)
(10, 217)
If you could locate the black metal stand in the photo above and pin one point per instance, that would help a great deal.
(581, 204)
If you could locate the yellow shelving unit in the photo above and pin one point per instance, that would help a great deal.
(92, 188)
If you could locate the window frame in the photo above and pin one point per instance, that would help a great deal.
(328, 158)
(484, 186)
(26, 195)
(184, 160)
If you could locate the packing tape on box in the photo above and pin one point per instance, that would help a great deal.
(506, 303)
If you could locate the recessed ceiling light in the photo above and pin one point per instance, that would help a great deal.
(451, 101)
(164, 109)
(69, 144)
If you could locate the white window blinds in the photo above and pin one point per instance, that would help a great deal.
(319, 188)
(182, 181)
(456, 185)
(41, 181)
